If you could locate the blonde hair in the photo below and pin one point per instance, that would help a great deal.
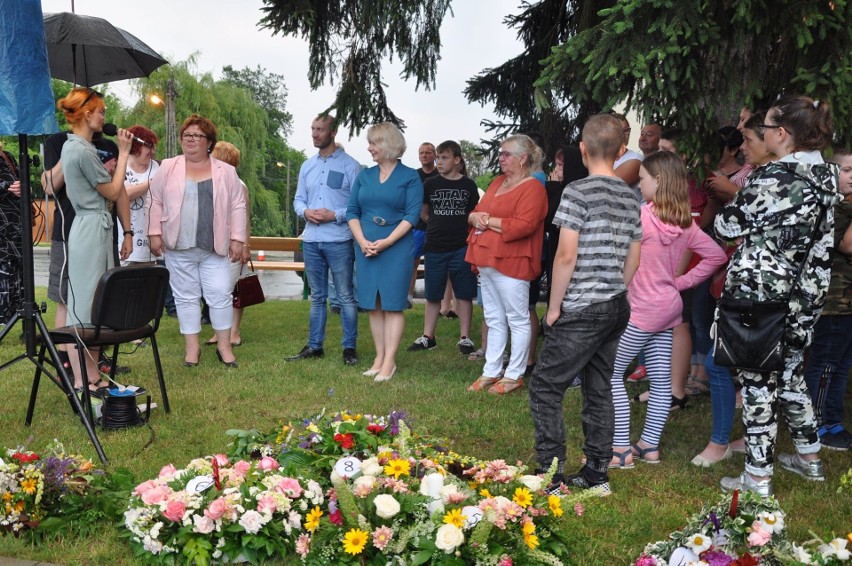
(671, 201)
(528, 148)
(387, 137)
(78, 101)
(227, 152)
(603, 136)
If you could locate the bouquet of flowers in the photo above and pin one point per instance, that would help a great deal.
(742, 529)
(219, 509)
(34, 488)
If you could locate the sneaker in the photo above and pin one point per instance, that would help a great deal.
(810, 470)
(639, 374)
(575, 383)
(580, 482)
(835, 438)
(744, 482)
(423, 343)
(466, 346)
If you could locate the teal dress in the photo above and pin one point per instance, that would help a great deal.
(381, 207)
(90, 240)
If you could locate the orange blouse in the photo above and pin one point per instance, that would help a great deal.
(516, 251)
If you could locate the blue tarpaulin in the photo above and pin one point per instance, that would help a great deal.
(26, 99)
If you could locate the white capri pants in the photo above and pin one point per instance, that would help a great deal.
(192, 272)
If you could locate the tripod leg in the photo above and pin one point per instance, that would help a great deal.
(157, 363)
(36, 381)
(9, 324)
(69, 386)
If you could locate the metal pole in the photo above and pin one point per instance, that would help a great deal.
(288, 204)
(171, 127)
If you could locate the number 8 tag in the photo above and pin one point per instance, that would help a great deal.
(348, 467)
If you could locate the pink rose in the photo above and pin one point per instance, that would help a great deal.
(242, 467)
(268, 464)
(216, 509)
(156, 495)
(758, 536)
(147, 486)
(174, 511)
(203, 525)
(289, 487)
(221, 459)
(266, 503)
(167, 472)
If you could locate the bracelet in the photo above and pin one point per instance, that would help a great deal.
(126, 232)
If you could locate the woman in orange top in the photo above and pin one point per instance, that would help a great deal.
(504, 246)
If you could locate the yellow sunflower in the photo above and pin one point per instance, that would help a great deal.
(531, 539)
(312, 519)
(522, 497)
(29, 486)
(398, 468)
(455, 518)
(555, 504)
(354, 541)
(485, 493)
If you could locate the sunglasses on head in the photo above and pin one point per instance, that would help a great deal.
(92, 92)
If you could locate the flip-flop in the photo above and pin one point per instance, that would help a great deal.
(622, 460)
(641, 453)
(211, 342)
(506, 385)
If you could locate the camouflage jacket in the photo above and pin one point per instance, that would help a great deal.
(774, 216)
(839, 300)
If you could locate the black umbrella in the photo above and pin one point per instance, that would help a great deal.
(88, 51)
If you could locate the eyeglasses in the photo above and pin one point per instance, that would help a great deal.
(761, 128)
(193, 137)
(504, 154)
(92, 92)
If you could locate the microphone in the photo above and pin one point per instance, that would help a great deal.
(112, 130)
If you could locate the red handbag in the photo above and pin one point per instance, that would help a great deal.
(247, 290)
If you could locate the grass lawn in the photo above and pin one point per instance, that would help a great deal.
(648, 503)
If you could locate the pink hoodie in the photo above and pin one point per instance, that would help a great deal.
(654, 292)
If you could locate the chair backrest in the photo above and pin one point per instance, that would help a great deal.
(127, 298)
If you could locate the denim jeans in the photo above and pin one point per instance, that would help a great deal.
(723, 399)
(339, 259)
(579, 343)
(703, 309)
(828, 367)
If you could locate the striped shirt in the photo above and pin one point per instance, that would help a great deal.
(607, 215)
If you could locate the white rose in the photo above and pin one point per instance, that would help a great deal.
(203, 525)
(371, 467)
(448, 538)
(531, 482)
(431, 485)
(446, 491)
(386, 506)
(252, 522)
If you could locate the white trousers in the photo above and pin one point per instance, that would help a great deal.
(192, 272)
(505, 301)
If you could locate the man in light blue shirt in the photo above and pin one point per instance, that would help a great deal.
(325, 182)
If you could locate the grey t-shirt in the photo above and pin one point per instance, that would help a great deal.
(196, 216)
(607, 216)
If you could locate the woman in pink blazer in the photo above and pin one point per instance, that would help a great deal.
(198, 218)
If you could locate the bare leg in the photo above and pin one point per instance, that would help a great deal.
(91, 359)
(681, 354)
(447, 301)
(193, 348)
(223, 343)
(236, 337)
(430, 321)
(413, 278)
(464, 308)
(59, 321)
(377, 329)
(394, 325)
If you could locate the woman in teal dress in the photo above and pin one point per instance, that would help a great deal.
(91, 188)
(384, 206)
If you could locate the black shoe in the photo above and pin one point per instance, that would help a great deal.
(423, 343)
(350, 356)
(231, 364)
(307, 352)
(579, 481)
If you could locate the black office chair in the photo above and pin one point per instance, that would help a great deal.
(127, 306)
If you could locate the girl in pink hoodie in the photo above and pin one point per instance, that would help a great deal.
(668, 235)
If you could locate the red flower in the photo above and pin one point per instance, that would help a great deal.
(216, 474)
(746, 560)
(344, 440)
(734, 500)
(336, 517)
(375, 428)
(24, 458)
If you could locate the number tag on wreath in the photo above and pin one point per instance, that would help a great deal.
(473, 515)
(348, 467)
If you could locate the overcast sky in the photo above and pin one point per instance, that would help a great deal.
(225, 32)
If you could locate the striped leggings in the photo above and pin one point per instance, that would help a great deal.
(658, 361)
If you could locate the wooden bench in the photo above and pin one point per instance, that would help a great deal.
(272, 244)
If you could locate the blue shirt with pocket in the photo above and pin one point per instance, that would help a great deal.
(326, 182)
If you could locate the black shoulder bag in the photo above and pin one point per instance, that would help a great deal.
(749, 335)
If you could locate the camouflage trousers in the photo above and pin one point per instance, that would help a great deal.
(767, 394)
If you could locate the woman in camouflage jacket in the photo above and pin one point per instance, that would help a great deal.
(785, 204)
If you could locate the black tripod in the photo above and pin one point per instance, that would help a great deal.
(29, 313)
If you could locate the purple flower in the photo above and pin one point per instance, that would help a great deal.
(713, 519)
(393, 421)
(646, 560)
(716, 558)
